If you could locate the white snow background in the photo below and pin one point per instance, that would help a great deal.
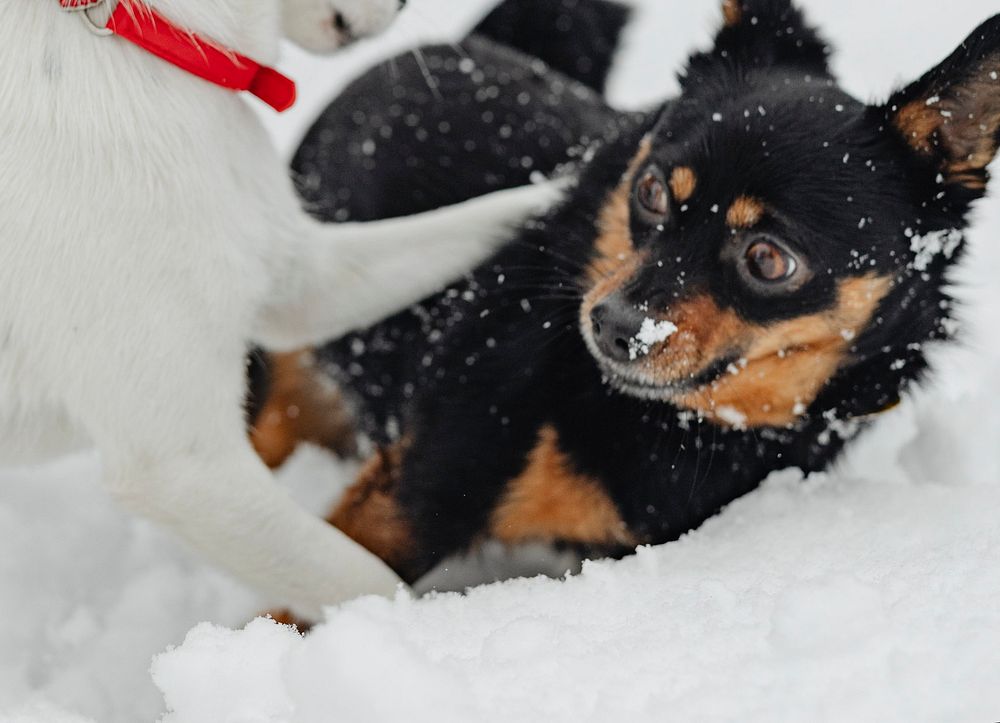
(870, 593)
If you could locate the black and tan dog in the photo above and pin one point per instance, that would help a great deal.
(739, 282)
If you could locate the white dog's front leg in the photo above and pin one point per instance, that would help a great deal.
(227, 506)
(341, 277)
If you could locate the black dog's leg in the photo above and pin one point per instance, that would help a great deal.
(576, 37)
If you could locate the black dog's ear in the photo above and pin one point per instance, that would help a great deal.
(763, 34)
(951, 116)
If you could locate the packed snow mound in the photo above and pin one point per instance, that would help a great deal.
(833, 598)
(42, 712)
(865, 594)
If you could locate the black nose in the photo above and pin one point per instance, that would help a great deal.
(342, 25)
(615, 323)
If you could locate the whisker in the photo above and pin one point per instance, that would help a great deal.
(697, 464)
(549, 251)
(426, 72)
(460, 51)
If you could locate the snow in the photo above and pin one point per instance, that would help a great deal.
(868, 593)
(732, 417)
(651, 333)
(925, 247)
(838, 611)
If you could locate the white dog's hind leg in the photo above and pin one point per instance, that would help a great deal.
(339, 277)
(177, 453)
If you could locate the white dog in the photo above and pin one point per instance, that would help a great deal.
(148, 234)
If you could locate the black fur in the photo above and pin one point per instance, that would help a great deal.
(412, 141)
(258, 384)
(472, 375)
(576, 37)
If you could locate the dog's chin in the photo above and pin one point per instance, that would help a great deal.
(638, 388)
(634, 383)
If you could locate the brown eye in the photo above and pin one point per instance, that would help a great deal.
(768, 262)
(652, 195)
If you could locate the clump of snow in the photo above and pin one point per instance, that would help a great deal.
(215, 667)
(651, 333)
(865, 594)
(926, 246)
(731, 416)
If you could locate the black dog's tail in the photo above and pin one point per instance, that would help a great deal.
(579, 38)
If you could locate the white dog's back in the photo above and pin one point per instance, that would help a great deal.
(144, 171)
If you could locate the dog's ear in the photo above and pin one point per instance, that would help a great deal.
(763, 34)
(951, 116)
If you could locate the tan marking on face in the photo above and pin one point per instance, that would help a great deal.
(683, 182)
(370, 514)
(549, 502)
(745, 212)
(732, 11)
(617, 260)
(614, 237)
(303, 405)
(787, 364)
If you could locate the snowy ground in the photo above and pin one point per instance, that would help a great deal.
(867, 594)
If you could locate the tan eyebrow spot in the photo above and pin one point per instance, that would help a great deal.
(682, 183)
(745, 212)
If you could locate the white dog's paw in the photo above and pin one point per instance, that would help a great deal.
(521, 202)
(322, 26)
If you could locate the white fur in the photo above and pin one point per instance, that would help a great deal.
(148, 234)
(311, 23)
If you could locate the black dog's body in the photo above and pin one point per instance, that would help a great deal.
(504, 423)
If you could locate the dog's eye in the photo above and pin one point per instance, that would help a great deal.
(768, 262)
(652, 195)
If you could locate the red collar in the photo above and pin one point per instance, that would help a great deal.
(206, 59)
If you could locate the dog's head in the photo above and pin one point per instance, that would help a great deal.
(323, 26)
(773, 234)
